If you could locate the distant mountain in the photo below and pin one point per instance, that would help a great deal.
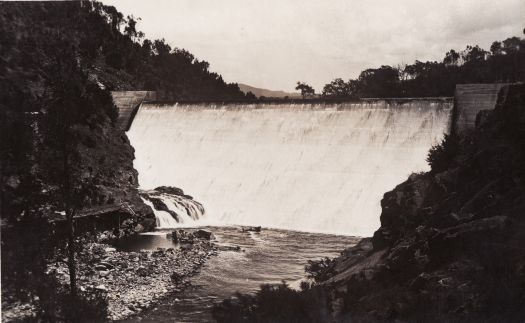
(266, 93)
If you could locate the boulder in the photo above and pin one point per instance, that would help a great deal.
(181, 236)
(139, 228)
(105, 264)
(101, 287)
(176, 277)
(229, 248)
(251, 229)
(143, 271)
(103, 273)
(203, 234)
(170, 190)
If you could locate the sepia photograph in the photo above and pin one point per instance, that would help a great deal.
(276, 161)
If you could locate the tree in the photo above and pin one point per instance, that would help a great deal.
(306, 90)
(337, 89)
(71, 104)
(131, 29)
(451, 58)
(504, 63)
(250, 96)
(379, 82)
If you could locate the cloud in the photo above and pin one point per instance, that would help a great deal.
(274, 43)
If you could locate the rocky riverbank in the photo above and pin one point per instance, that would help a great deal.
(129, 282)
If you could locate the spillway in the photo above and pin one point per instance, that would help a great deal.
(320, 167)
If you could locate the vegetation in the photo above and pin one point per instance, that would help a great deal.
(109, 47)
(505, 62)
(306, 90)
(441, 156)
(277, 303)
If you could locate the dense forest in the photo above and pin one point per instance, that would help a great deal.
(503, 63)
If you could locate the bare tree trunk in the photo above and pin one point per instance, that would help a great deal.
(70, 213)
(71, 264)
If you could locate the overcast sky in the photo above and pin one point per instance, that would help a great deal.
(275, 43)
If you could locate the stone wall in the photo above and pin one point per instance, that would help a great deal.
(128, 103)
(469, 99)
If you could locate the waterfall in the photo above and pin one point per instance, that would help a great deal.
(171, 210)
(309, 167)
(164, 219)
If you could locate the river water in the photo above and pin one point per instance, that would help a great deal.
(267, 257)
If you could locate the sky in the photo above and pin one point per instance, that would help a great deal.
(275, 43)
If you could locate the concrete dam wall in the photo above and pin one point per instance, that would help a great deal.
(311, 166)
(471, 99)
(128, 103)
(318, 167)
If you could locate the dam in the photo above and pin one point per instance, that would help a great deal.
(317, 167)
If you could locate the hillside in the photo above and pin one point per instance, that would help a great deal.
(259, 92)
(111, 50)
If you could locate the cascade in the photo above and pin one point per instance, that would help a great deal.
(164, 219)
(310, 167)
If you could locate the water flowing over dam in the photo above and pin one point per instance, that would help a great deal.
(311, 167)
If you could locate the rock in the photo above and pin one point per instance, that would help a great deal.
(158, 253)
(103, 273)
(420, 282)
(105, 265)
(203, 234)
(110, 249)
(181, 236)
(251, 229)
(13, 182)
(143, 271)
(170, 190)
(229, 248)
(186, 246)
(139, 228)
(101, 287)
(176, 277)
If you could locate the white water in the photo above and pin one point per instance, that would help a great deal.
(320, 168)
(187, 210)
(164, 219)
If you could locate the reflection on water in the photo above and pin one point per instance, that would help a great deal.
(270, 256)
(145, 241)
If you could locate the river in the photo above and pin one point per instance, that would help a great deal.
(267, 257)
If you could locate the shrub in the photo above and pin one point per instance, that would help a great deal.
(275, 303)
(441, 156)
(319, 270)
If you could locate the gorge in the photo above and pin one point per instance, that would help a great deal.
(138, 184)
(274, 159)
